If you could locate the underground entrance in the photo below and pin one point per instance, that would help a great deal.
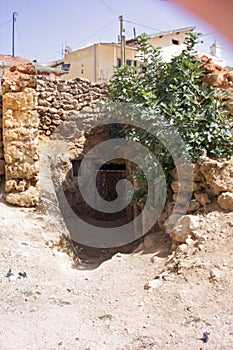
(107, 176)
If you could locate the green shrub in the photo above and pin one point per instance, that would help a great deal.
(175, 91)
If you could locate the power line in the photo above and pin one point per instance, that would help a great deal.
(108, 7)
(222, 48)
(207, 34)
(226, 49)
(143, 25)
(98, 31)
(3, 24)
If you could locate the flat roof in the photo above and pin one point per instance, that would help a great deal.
(159, 34)
(167, 32)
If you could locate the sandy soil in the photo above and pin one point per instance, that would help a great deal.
(106, 305)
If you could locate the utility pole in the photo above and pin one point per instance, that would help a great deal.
(13, 32)
(123, 45)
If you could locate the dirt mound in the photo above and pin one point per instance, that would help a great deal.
(144, 300)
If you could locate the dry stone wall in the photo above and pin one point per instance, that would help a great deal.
(218, 77)
(34, 105)
(212, 181)
(60, 99)
(20, 136)
(212, 188)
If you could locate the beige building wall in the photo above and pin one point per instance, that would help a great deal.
(171, 44)
(106, 59)
(81, 63)
(109, 57)
(96, 63)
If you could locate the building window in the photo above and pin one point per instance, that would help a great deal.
(131, 63)
(65, 67)
(175, 42)
(118, 62)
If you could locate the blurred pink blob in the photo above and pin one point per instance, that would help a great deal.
(217, 13)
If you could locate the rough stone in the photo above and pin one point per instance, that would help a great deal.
(182, 199)
(12, 185)
(184, 227)
(22, 170)
(225, 201)
(182, 248)
(202, 198)
(21, 101)
(185, 186)
(18, 119)
(193, 206)
(218, 175)
(20, 135)
(185, 174)
(28, 198)
(214, 79)
(215, 275)
(149, 286)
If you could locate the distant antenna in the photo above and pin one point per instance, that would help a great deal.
(67, 49)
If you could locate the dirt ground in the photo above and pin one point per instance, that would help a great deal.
(48, 304)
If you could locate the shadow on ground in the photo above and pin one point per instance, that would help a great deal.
(156, 243)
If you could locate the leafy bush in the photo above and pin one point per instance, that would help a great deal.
(175, 91)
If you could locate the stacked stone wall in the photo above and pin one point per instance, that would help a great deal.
(60, 99)
(218, 77)
(34, 105)
(212, 183)
(20, 136)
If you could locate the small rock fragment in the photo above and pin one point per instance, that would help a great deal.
(215, 275)
(152, 284)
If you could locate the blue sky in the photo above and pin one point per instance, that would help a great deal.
(44, 27)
